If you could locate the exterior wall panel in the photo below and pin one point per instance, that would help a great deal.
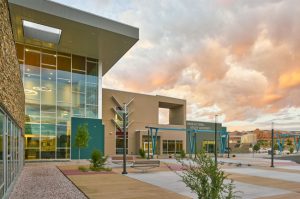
(12, 97)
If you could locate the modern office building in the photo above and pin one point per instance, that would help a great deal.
(143, 110)
(63, 54)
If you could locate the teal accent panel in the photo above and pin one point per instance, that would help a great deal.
(96, 141)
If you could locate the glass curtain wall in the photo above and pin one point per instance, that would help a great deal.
(57, 86)
(11, 152)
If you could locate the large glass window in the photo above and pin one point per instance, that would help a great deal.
(57, 86)
(9, 155)
(172, 146)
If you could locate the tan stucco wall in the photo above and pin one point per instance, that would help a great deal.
(12, 97)
(145, 111)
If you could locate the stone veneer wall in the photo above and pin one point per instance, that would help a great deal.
(12, 97)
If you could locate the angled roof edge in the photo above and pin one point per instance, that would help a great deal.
(77, 15)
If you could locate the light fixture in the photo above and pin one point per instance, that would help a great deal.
(30, 92)
(41, 32)
(43, 88)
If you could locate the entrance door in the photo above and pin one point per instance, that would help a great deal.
(209, 146)
(145, 147)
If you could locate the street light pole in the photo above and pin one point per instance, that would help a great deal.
(124, 140)
(195, 143)
(228, 146)
(216, 159)
(148, 145)
(272, 146)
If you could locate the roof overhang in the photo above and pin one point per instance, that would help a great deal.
(82, 33)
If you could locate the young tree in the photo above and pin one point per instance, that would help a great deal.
(203, 177)
(82, 138)
(256, 147)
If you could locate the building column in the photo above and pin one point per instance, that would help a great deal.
(100, 90)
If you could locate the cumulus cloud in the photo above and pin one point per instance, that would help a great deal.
(238, 59)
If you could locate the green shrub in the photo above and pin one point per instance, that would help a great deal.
(83, 168)
(291, 150)
(276, 147)
(142, 153)
(182, 154)
(204, 178)
(97, 159)
(100, 169)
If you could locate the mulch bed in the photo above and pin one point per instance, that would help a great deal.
(78, 172)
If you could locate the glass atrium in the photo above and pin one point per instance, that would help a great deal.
(57, 86)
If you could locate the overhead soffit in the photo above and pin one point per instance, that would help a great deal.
(82, 33)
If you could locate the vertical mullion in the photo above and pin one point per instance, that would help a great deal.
(55, 146)
(5, 151)
(40, 142)
(71, 107)
(85, 86)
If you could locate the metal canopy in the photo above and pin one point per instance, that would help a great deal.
(192, 139)
(82, 33)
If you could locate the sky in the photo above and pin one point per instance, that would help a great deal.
(239, 59)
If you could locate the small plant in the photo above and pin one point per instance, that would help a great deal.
(291, 150)
(289, 142)
(142, 153)
(182, 154)
(97, 159)
(83, 168)
(276, 146)
(203, 177)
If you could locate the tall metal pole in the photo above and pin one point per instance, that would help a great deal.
(124, 140)
(195, 142)
(148, 145)
(228, 146)
(216, 159)
(272, 146)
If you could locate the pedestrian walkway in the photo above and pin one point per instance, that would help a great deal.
(114, 185)
(171, 181)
